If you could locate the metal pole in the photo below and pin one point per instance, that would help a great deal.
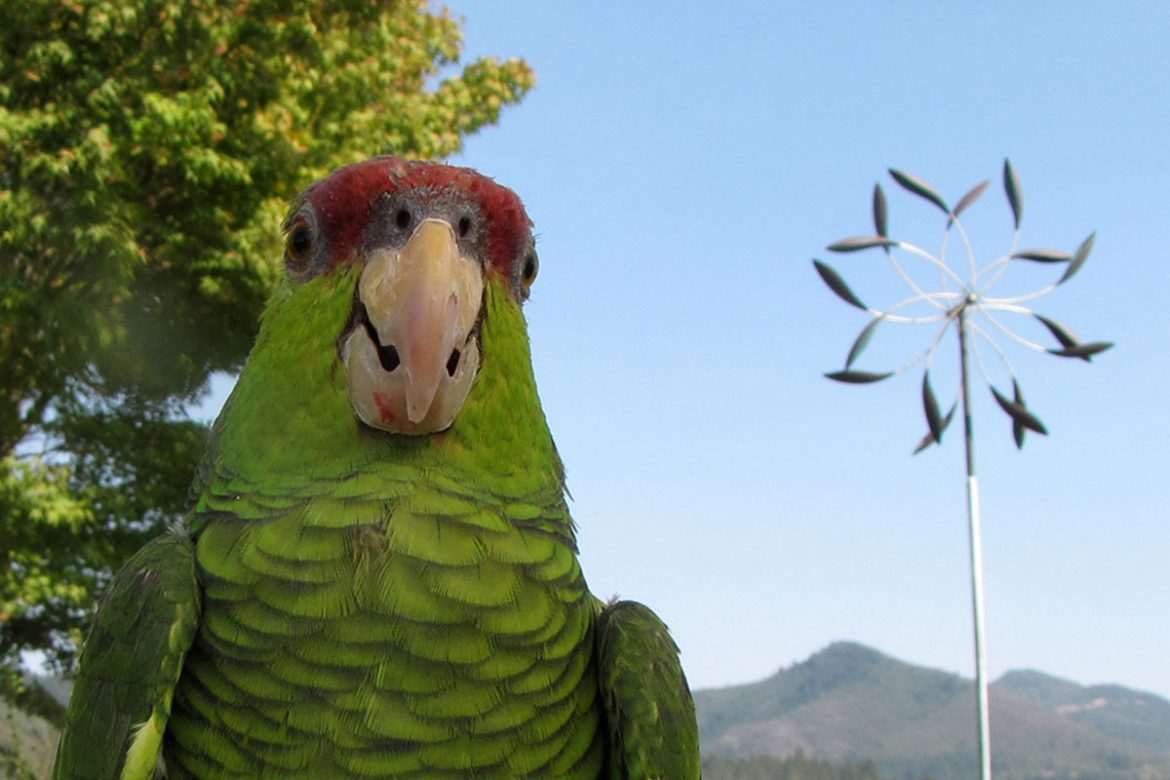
(973, 521)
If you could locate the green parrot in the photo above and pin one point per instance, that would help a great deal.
(378, 576)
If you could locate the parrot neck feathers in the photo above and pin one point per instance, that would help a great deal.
(289, 421)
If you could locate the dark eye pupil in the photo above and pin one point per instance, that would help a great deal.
(464, 226)
(402, 219)
(300, 240)
(529, 267)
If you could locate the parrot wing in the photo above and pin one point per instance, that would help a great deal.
(649, 711)
(133, 655)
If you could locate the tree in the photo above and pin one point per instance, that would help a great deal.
(147, 151)
(795, 767)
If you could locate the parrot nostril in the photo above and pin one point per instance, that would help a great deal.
(453, 362)
(387, 356)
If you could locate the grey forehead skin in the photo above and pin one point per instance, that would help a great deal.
(451, 206)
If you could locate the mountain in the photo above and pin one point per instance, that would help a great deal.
(850, 702)
(1136, 717)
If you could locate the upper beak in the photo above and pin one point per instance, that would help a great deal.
(411, 363)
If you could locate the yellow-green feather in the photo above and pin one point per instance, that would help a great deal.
(142, 756)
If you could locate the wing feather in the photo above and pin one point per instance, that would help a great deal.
(131, 660)
(649, 711)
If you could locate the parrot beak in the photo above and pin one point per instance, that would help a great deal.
(413, 350)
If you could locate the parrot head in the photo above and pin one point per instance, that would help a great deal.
(421, 243)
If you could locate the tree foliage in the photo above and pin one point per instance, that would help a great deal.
(795, 767)
(147, 150)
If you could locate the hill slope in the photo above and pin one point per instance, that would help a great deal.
(852, 702)
(1135, 717)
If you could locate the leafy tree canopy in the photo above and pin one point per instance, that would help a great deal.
(147, 151)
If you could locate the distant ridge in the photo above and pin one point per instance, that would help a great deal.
(850, 702)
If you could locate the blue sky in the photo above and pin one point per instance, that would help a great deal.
(683, 166)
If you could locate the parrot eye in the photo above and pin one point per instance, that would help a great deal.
(529, 269)
(464, 226)
(299, 243)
